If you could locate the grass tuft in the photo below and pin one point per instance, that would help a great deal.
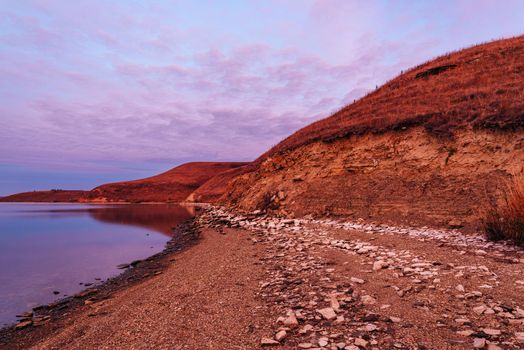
(505, 219)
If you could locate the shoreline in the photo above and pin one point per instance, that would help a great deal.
(30, 328)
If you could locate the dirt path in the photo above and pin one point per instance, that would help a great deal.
(314, 284)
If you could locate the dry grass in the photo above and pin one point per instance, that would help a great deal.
(505, 219)
(478, 87)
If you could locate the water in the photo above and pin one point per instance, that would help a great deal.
(55, 247)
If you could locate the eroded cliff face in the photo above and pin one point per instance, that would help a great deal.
(407, 177)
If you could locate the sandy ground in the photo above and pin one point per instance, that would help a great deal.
(204, 300)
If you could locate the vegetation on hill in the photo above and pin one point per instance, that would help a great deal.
(478, 87)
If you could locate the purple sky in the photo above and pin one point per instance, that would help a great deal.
(97, 91)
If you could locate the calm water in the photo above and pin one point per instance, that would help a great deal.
(55, 247)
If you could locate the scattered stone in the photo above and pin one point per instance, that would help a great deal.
(361, 342)
(291, 320)
(368, 300)
(357, 280)
(490, 331)
(328, 313)
(379, 265)
(268, 342)
(280, 335)
(305, 345)
(24, 324)
(479, 343)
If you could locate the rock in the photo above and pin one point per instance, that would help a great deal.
(519, 336)
(460, 288)
(479, 310)
(479, 343)
(268, 342)
(454, 224)
(368, 300)
(305, 345)
(328, 313)
(492, 346)
(379, 265)
(281, 335)
(395, 319)
(122, 266)
(335, 305)
(351, 347)
(357, 280)
(305, 329)
(24, 324)
(490, 331)
(323, 342)
(361, 342)
(291, 320)
(55, 292)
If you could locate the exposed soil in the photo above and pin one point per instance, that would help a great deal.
(405, 177)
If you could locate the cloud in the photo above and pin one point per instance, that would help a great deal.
(87, 84)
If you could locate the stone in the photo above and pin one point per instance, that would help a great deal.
(479, 343)
(323, 342)
(280, 335)
(24, 324)
(490, 331)
(460, 288)
(351, 347)
(268, 342)
(361, 342)
(357, 280)
(519, 336)
(454, 224)
(305, 329)
(328, 313)
(479, 310)
(492, 346)
(291, 319)
(379, 265)
(335, 305)
(305, 345)
(368, 300)
(395, 319)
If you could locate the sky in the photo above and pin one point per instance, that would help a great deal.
(100, 91)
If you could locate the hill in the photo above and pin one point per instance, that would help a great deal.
(430, 146)
(46, 196)
(171, 186)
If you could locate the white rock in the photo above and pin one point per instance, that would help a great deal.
(357, 280)
(479, 310)
(368, 300)
(268, 342)
(519, 336)
(460, 288)
(361, 342)
(280, 335)
(323, 342)
(490, 331)
(328, 313)
(479, 343)
(379, 265)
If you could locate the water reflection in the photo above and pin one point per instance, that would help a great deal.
(54, 247)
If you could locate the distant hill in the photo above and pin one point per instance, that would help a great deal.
(46, 196)
(171, 186)
(430, 146)
(174, 185)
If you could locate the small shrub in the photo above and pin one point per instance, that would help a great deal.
(505, 219)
